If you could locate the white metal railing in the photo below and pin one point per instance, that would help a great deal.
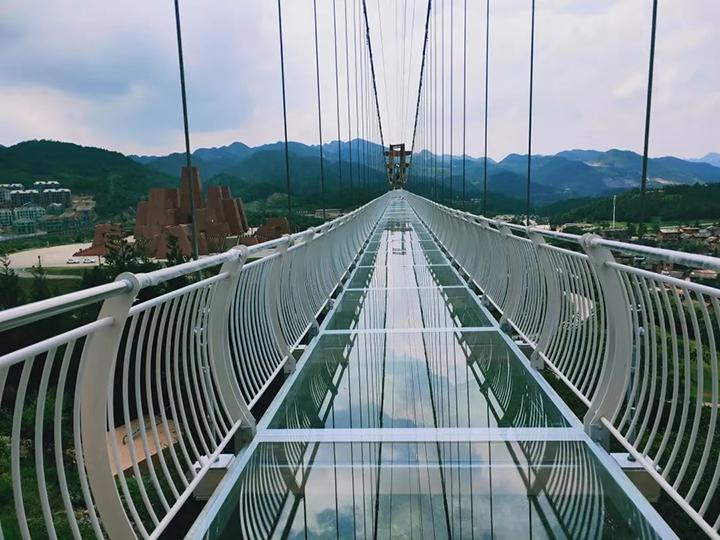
(637, 347)
(118, 419)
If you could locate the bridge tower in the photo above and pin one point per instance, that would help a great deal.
(397, 165)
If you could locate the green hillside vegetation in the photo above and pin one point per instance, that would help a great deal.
(116, 181)
(672, 203)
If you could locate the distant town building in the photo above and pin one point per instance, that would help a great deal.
(6, 217)
(577, 228)
(669, 233)
(5, 190)
(63, 223)
(33, 213)
(55, 209)
(24, 226)
(167, 213)
(55, 196)
(46, 184)
(21, 197)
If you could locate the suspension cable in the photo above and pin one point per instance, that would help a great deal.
(435, 106)
(442, 102)
(337, 98)
(347, 86)
(648, 107)
(284, 102)
(452, 40)
(372, 70)
(357, 91)
(422, 72)
(487, 67)
(186, 128)
(317, 80)
(464, 98)
(530, 112)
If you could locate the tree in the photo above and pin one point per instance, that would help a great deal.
(10, 292)
(40, 289)
(175, 255)
(122, 256)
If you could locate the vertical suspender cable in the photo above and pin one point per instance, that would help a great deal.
(337, 99)
(442, 102)
(435, 104)
(284, 101)
(347, 87)
(648, 107)
(530, 111)
(357, 91)
(188, 159)
(487, 64)
(317, 80)
(452, 39)
(464, 97)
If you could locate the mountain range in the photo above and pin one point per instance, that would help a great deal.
(567, 174)
(255, 173)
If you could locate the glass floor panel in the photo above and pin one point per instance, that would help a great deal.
(409, 276)
(429, 257)
(408, 356)
(415, 380)
(427, 490)
(408, 308)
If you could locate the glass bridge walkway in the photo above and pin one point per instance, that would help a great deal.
(412, 415)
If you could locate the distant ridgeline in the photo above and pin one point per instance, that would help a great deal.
(118, 182)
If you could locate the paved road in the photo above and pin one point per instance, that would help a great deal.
(55, 256)
(26, 274)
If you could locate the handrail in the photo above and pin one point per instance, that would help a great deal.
(36, 311)
(42, 309)
(661, 254)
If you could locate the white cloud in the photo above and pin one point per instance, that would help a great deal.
(106, 73)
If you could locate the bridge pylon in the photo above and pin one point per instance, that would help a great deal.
(397, 164)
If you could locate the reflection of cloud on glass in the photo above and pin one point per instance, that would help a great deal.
(428, 490)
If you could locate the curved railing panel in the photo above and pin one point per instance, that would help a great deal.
(120, 416)
(638, 348)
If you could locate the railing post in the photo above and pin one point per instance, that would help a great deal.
(96, 372)
(610, 390)
(513, 285)
(225, 378)
(308, 237)
(553, 300)
(273, 291)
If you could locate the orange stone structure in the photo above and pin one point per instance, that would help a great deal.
(272, 229)
(103, 232)
(167, 213)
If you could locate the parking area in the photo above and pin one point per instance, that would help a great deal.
(55, 256)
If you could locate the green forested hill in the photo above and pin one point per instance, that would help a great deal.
(672, 203)
(116, 181)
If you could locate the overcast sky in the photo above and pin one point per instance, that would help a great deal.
(105, 73)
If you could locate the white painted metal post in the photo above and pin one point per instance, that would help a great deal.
(512, 297)
(551, 317)
(273, 291)
(617, 360)
(96, 373)
(219, 345)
